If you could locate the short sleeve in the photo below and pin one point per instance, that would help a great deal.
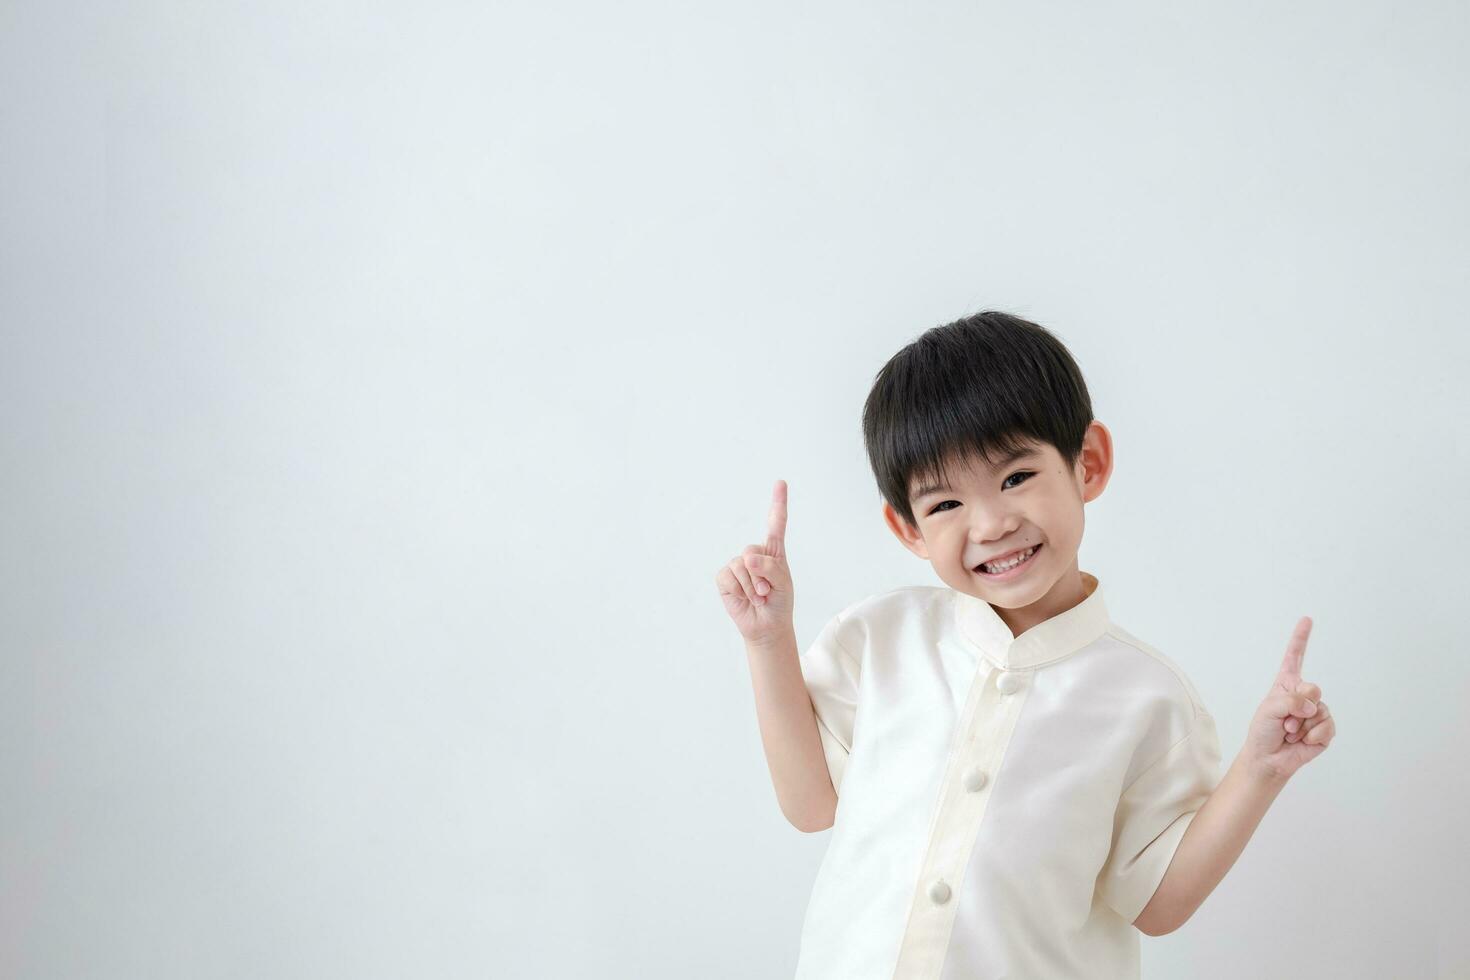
(831, 675)
(1153, 813)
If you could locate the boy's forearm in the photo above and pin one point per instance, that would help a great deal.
(1210, 846)
(789, 733)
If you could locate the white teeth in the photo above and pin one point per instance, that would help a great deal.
(995, 568)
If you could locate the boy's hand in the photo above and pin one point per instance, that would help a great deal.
(756, 584)
(1292, 726)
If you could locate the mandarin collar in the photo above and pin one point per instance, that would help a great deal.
(1047, 641)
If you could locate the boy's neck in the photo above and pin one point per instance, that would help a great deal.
(1067, 592)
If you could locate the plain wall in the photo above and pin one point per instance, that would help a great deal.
(382, 386)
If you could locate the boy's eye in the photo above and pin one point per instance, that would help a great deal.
(937, 508)
(1026, 473)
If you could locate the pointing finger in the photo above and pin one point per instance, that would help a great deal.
(1296, 649)
(776, 522)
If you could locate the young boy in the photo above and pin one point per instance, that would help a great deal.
(1016, 785)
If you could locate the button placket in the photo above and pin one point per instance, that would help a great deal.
(987, 724)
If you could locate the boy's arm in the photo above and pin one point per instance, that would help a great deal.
(1210, 846)
(1291, 727)
(789, 733)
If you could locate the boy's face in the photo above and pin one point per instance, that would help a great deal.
(983, 514)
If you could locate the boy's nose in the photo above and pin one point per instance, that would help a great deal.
(991, 530)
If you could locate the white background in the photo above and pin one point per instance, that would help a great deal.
(382, 386)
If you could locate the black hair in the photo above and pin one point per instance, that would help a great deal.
(984, 386)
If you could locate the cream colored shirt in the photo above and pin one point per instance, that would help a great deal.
(1006, 805)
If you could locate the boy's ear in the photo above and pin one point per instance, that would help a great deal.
(1095, 464)
(905, 532)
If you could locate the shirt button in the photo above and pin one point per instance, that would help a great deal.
(1008, 683)
(975, 779)
(939, 892)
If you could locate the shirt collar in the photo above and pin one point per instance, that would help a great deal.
(1055, 638)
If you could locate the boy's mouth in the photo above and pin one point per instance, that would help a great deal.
(1034, 550)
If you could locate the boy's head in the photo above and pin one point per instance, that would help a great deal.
(940, 425)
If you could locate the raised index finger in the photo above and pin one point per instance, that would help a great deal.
(776, 522)
(1296, 649)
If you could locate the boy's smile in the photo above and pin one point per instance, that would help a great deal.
(974, 514)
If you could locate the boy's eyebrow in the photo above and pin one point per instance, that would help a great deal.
(1005, 460)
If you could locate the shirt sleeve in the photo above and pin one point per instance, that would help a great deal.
(1153, 813)
(831, 675)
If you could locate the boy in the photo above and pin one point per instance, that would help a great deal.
(1016, 785)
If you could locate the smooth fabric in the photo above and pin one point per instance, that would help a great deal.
(1006, 805)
